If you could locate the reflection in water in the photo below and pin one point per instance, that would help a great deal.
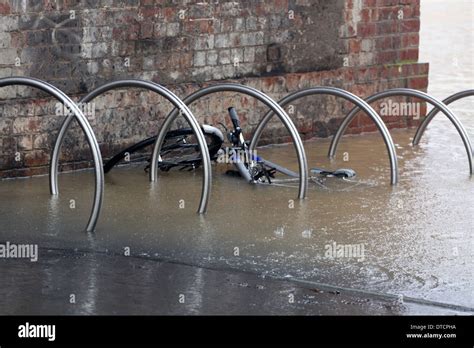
(90, 281)
(196, 287)
(53, 216)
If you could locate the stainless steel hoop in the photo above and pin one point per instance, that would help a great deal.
(177, 103)
(232, 87)
(426, 121)
(84, 124)
(408, 93)
(337, 92)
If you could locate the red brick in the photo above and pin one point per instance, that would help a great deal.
(350, 31)
(293, 81)
(36, 158)
(387, 13)
(260, 9)
(150, 12)
(132, 32)
(117, 34)
(410, 25)
(369, 3)
(386, 27)
(268, 84)
(383, 43)
(383, 3)
(411, 12)
(200, 27)
(146, 30)
(386, 57)
(280, 5)
(410, 40)
(206, 27)
(18, 39)
(420, 83)
(169, 14)
(354, 45)
(421, 68)
(4, 8)
(366, 30)
(396, 42)
(365, 15)
(364, 120)
(409, 54)
(348, 74)
(414, 3)
(415, 10)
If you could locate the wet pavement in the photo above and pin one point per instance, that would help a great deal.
(79, 283)
(404, 250)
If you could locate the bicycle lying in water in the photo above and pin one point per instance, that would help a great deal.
(181, 150)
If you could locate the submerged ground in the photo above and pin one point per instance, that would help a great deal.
(255, 253)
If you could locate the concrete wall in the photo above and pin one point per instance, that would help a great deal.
(277, 46)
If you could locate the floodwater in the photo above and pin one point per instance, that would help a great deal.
(414, 239)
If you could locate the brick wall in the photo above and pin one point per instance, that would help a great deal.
(278, 46)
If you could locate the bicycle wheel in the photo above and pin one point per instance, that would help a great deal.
(180, 148)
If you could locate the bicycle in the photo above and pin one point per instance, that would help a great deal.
(181, 150)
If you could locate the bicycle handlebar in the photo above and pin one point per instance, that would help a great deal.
(234, 118)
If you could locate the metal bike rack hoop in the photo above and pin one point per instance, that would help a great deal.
(84, 124)
(407, 93)
(164, 92)
(233, 87)
(426, 121)
(337, 92)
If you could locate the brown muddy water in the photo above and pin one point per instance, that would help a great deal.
(414, 239)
